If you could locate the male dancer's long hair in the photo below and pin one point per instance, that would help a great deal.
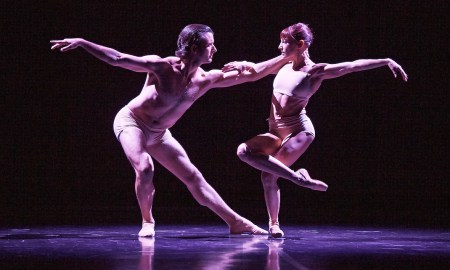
(190, 35)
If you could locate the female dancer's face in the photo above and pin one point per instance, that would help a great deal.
(288, 47)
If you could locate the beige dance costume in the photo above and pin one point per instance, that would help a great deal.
(125, 118)
(286, 127)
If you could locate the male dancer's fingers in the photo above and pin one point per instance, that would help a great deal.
(57, 41)
(57, 44)
(61, 44)
(68, 47)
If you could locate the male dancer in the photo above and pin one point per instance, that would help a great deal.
(172, 85)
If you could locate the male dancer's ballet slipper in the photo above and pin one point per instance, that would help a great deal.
(148, 230)
(247, 227)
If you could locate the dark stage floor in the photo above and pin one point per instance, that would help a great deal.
(210, 247)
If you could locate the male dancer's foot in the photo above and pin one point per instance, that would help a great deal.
(274, 230)
(310, 183)
(148, 230)
(245, 226)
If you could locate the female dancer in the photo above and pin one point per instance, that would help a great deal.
(290, 130)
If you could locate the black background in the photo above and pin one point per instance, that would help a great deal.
(381, 144)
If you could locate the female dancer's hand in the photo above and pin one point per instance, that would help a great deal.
(397, 69)
(237, 65)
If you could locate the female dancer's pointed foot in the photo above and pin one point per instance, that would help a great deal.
(312, 183)
(245, 226)
(275, 231)
(148, 230)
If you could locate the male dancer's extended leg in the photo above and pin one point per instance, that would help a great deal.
(172, 156)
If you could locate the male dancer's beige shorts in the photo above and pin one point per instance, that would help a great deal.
(287, 127)
(125, 119)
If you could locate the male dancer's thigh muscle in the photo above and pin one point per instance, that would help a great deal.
(133, 143)
(174, 158)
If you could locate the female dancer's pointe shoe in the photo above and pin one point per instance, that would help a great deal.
(148, 230)
(312, 183)
(247, 227)
(275, 231)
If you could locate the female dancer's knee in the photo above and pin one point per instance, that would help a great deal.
(244, 152)
(269, 181)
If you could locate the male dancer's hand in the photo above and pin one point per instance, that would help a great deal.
(66, 44)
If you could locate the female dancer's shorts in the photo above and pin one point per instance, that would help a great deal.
(287, 127)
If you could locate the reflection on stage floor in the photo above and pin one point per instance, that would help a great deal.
(211, 247)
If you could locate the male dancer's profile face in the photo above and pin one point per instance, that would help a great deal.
(207, 50)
